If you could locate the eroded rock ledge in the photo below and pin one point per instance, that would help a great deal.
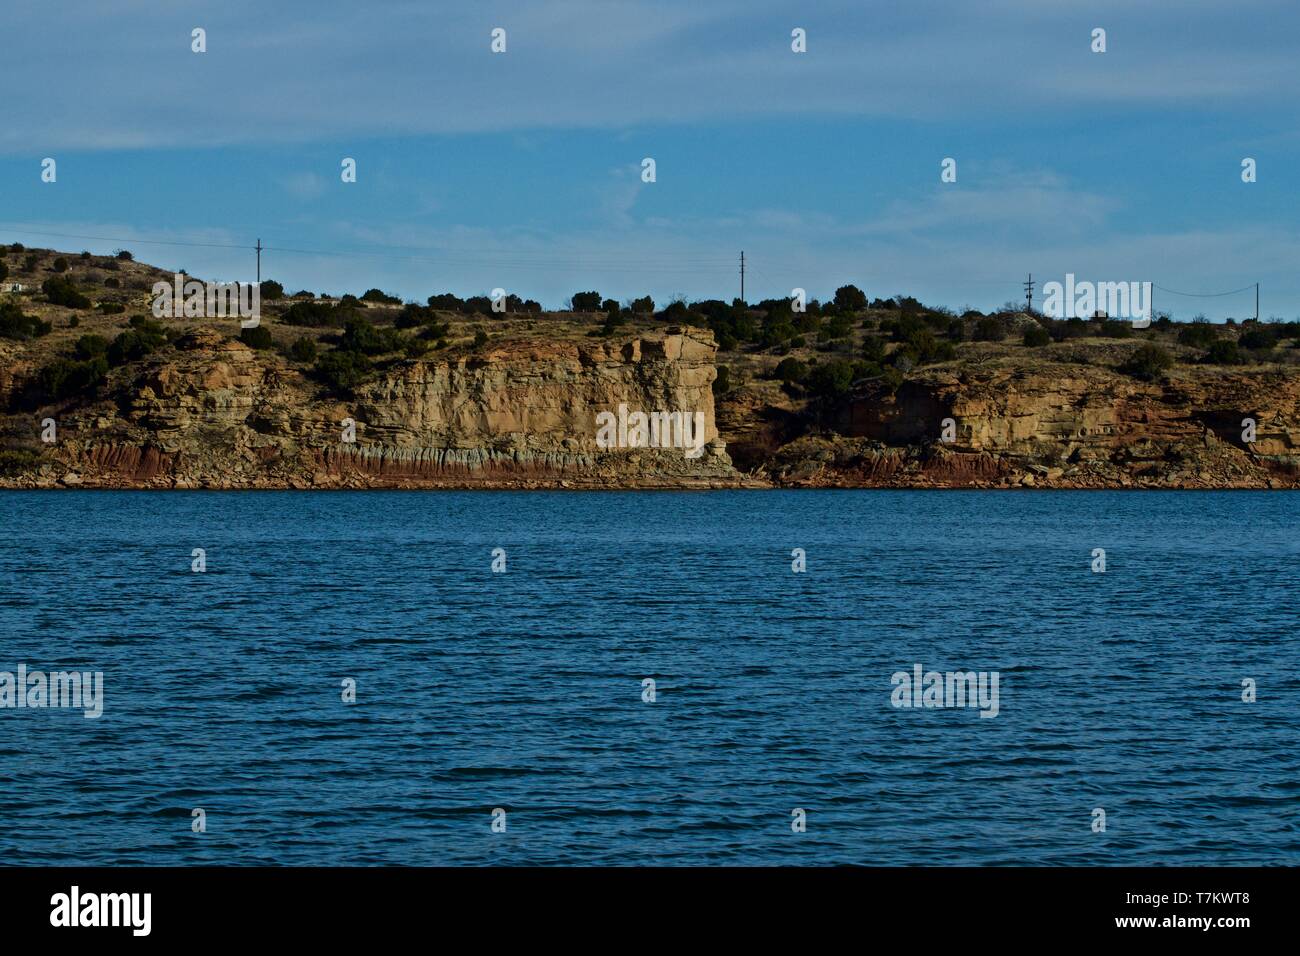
(212, 413)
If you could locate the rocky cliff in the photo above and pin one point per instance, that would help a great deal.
(1024, 424)
(341, 392)
(212, 413)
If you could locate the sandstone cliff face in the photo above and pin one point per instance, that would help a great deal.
(210, 412)
(213, 413)
(1063, 426)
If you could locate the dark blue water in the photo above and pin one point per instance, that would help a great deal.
(523, 690)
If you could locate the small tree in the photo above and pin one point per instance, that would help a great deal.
(1224, 352)
(303, 350)
(257, 337)
(790, 370)
(988, 329)
(586, 301)
(61, 291)
(1149, 362)
(850, 298)
(1036, 337)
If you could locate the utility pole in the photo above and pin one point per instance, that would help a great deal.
(1256, 301)
(742, 275)
(1029, 294)
(259, 262)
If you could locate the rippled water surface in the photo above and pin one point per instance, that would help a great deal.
(523, 690)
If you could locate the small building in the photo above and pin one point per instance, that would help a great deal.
(13, 287)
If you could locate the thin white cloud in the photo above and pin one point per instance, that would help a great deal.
(297, 72)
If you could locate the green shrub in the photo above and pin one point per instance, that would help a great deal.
(1037, 337)
(124, 255)
(989, 329)
(361, 335)
(342, 371)
(586, 301)
(850, 298)
(15, 324)
(480, 339)
(873, 349)
(311, 314)
(375, 295)
(303, 350)
(271, 290)
(64, 378)
(1224, 352)
(1116, 329)
(1199, 335)
(926, 348)
(257, 337)
(17, 461)
(838, 327)
(414, 348)
(112, 308)
(60, 264)
(4, 271)
(831, 380)
(1148, 362)
(1258, 338)
(446, 302)
(144, 336)
(615, 319)
(722, 382)
(61, 291)
(90, 345)
(790, 370)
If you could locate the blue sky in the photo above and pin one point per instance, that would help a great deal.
(522, 170)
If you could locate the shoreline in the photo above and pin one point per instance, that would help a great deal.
(571, 486)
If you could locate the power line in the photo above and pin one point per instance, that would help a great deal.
(657, 263)
(1205, 295)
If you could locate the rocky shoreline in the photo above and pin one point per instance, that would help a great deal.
(514, 402)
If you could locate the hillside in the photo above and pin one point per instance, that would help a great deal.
(851, 393)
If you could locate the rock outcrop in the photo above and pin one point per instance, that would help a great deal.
(213, 413)
(1060, 426)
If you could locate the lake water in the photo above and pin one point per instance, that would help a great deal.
(523, 690)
